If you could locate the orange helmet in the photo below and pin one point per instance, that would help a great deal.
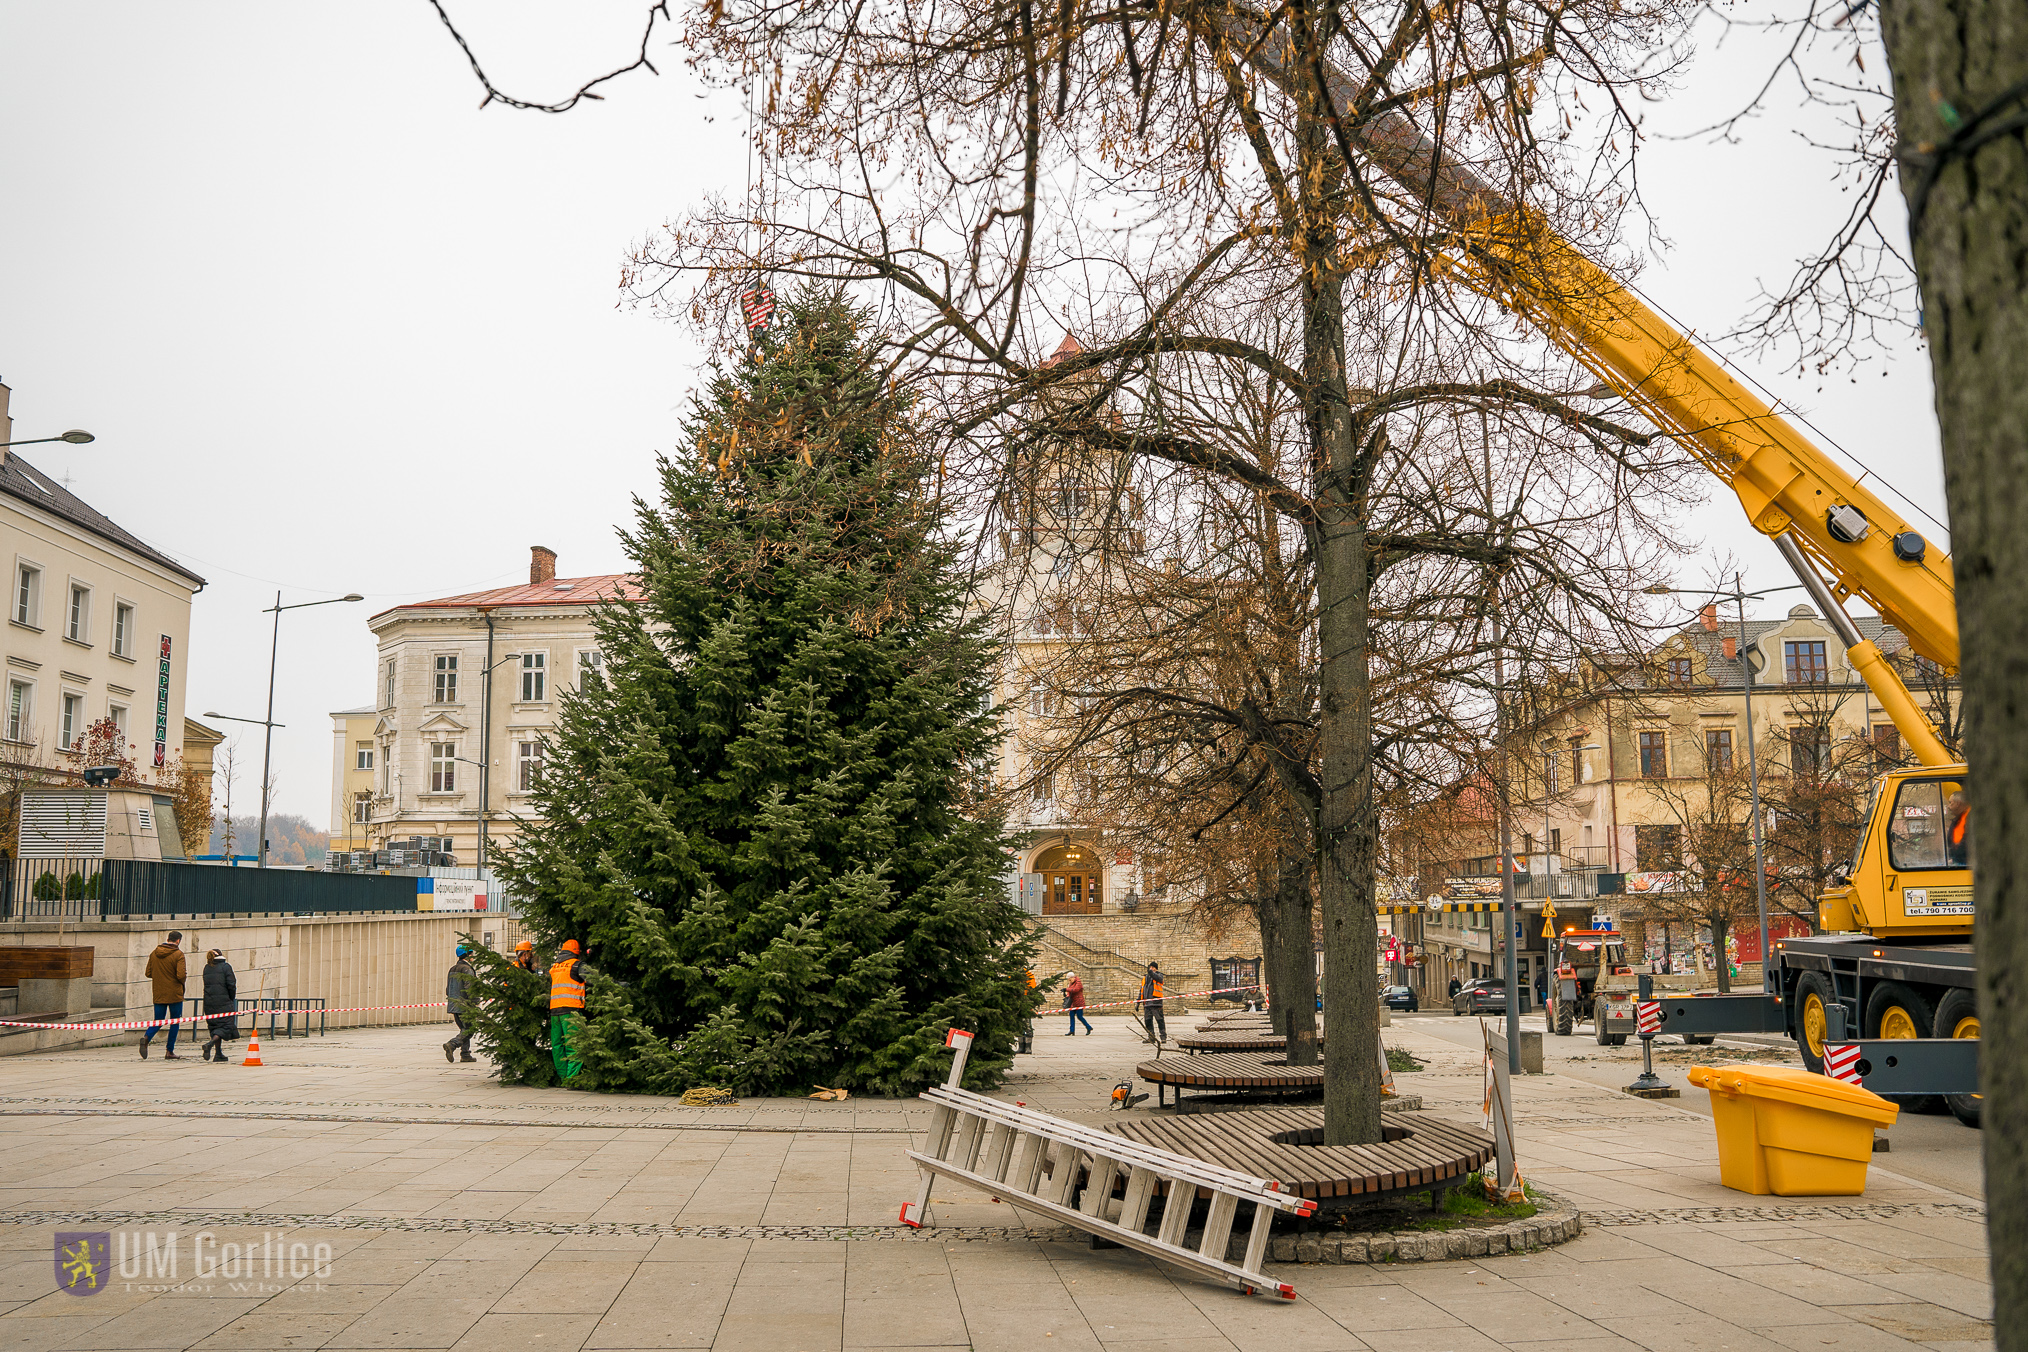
(570, 946)
(525, 946)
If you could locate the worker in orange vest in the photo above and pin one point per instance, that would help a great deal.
(524, 955)
(566, 1010)
(1151, 1005)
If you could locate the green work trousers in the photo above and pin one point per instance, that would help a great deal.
(563, 1027)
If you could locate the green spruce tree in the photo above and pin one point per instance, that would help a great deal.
(760, 817)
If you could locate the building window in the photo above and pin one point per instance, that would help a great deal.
(123, 629)
(447, 678)
(387, 771)
(362, 810)
(387, 687)
(77, 623)
(1042, 702)
(1556, 840)
(1887, 744)
(1577, 760)
(118, 713)
(528, 758)
(1552, 778)
(1717, 750)
(1654, 755)
(1810, 749)
(362, 756)
(20, 710)
(443, 767)
(27, 593)
(73, 721)
(1658, 848)
(534, 677)
(1804, 663)
(590, 662)
(1679, 671)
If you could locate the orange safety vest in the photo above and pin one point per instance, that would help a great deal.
(1959, 827)
(564, 992)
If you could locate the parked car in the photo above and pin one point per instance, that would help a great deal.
(1481, 995)
(1400, 997)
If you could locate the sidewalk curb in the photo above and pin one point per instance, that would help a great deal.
(1557, 1222)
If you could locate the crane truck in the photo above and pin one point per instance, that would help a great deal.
(1894, 960)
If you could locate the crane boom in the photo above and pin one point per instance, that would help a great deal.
(1787, 486)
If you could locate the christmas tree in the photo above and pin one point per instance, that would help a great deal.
(760, 818)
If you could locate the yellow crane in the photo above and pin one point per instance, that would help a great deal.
(1910, 879)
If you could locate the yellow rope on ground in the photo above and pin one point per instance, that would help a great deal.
(704, 1096)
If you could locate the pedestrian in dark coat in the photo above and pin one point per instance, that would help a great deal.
(221, 997)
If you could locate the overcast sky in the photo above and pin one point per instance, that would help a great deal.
(337, 329)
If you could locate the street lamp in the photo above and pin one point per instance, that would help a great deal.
(268, 741)
(76, 436)
(1741, 596)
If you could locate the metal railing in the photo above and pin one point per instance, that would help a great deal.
(141, 889)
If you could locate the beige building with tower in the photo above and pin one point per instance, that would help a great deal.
(1101, 913)
(467, 690)
(98, 626)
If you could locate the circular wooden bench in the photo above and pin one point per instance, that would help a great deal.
(1236, 1073)
(1242, 1041)
(1421, 1150)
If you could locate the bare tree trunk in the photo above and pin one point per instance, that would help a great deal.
(1346, 844)
(1299, 973)
(1274, 963)
(1960, 71)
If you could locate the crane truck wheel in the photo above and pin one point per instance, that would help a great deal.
(1957, 1015)
(1566, 1018)
(1895, 1010)
(1813, 996)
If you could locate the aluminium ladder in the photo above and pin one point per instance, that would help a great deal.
(1004, 1149)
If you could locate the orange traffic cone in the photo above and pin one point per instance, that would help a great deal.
(253, 1051)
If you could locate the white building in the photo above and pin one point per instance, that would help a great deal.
(466, 691)
(98, 626)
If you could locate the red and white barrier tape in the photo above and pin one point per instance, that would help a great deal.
(1181, 995)
(439, 1004)
(205, 1018)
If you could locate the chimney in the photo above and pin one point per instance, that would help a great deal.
(1708, 617)
(541, 564)
(1731, 647)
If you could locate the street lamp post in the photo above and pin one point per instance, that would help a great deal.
(1740, 595)
(77, 436)
(268, 723)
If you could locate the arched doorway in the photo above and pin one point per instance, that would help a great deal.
(1071, 880)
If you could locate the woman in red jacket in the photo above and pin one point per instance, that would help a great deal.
(1073, 1000)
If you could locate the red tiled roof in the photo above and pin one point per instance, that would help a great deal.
(1069, 347)
(562, 591)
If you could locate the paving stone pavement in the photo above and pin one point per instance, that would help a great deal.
(453, 1212)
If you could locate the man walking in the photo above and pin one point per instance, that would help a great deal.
(166, 971)
(566, 1010)
(1151, 1005)
(457, 999)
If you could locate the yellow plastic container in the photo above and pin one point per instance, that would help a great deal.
(1792, 1133)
